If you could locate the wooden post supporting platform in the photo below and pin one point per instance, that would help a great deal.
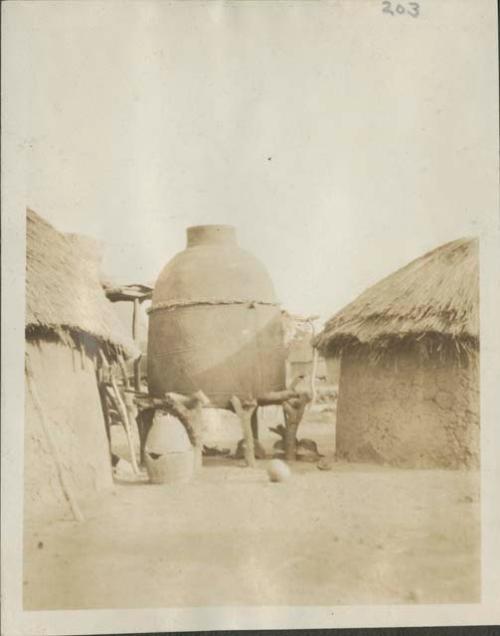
(186, 408)
(294, 404)
(144, 421)
(245, 411)
(293, 411)
(135, 336)
(255, 423)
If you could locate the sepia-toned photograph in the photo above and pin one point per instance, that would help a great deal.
(253, 237)
(287, 467)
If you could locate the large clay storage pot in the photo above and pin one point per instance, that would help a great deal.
(169, 455)
(215, 323)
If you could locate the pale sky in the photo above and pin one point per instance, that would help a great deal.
(341, 142)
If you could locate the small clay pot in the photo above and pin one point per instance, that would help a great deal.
(169, 455)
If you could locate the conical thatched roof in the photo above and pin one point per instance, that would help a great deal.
(435, 297)
(63, 291)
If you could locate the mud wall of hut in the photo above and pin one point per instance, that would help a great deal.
(333, 370)
(66, 386)
(408, 412)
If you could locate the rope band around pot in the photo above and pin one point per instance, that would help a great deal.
(168, 305)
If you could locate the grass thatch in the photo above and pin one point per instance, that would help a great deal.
(64, 297)
(433, 302)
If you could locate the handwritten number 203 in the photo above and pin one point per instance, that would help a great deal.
(412, 8)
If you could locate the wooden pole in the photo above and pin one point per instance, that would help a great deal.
(137, 373)
(188, 410)
(276, 397)
(244, 412)
(293, 411)
(105, 411)
(144, 423)
(313, 376)
(255, 423)
(100, 366)
(116, 400)
(104, 360)
(83, 357)
(135, 336)
(66, 488)
(121, 363)
(315, 360)
(135, 320)
(122, 410)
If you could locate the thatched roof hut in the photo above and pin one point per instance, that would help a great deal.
(64, 295)
(409, 346)
(433, 300)
(69, 321)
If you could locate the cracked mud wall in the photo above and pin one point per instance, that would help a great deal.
(66, 384)
(409, 412)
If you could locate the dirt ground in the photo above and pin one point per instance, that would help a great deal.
(357, 534)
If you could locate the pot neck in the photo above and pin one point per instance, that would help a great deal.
(211, 235)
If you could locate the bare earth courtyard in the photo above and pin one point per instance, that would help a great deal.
(357, 534)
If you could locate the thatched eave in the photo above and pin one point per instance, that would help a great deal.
(434, 296)
(63, 291)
